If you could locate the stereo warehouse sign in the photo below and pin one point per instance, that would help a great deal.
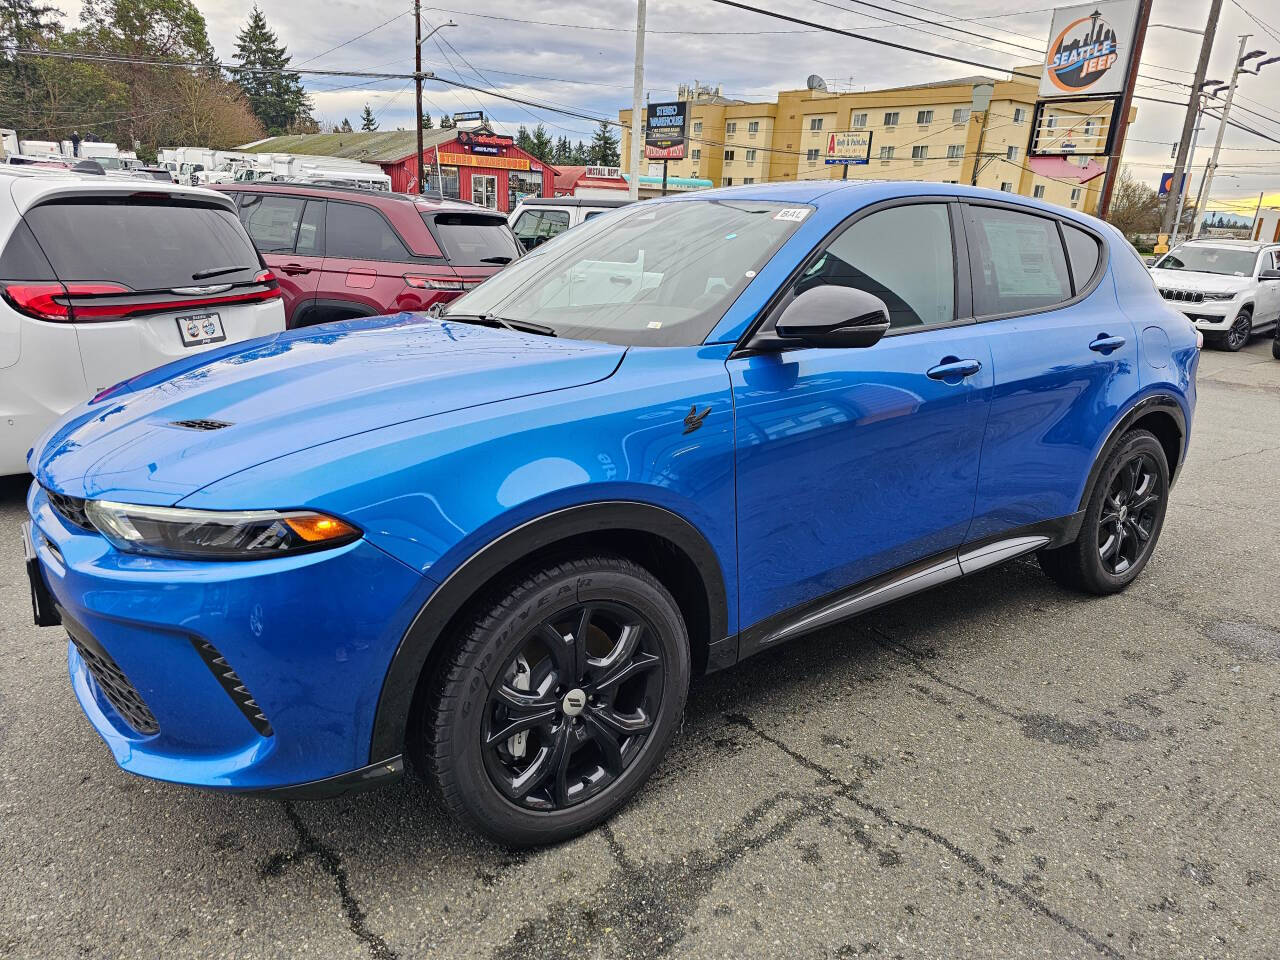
(1089, 50)
(664, 125)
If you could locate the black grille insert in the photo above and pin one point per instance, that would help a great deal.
(115, 686)
(200, 424)
(233, 685)
(70, 509)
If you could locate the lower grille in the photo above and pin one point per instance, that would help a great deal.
(115, 686)
(233, 685)
(70, 509)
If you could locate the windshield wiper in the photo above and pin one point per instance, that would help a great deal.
(495, 259)
(493, 320)
(216, 272)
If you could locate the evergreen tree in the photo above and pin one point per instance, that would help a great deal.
(278, 100)
(523, 140)
(580, 157)
(367, 122)
(540, 144)
(604, 147)
(346, 126)
(563, 153)
(27, 24)
(446, 122)
(427, 123)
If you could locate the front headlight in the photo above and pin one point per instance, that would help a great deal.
(1219, 296)
(216, 534)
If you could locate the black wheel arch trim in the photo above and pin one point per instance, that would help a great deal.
(368, 777)
(399, 686)
(1158, 402)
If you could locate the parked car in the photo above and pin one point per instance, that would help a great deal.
(345, 252)
(503, 540)
(162, 174)
(536, 220)
(100, 281)
(1229, 288)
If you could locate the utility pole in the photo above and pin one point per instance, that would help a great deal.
(1171, 218)
(417, 84)
(1181, 187)
(637, 102)
(1126, 102)
(1207, 185)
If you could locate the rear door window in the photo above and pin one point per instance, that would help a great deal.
(311, 230)
(1017, 260)
(272, 221)
(142, 243)
(357, 232)
(473, 240)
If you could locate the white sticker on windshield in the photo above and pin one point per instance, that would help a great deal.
(795, 214)
(655, 324)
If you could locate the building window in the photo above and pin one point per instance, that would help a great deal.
(1075, 196)
(1019, 115)
(811, 155)
(924, 116)
(858, 121)
(727, 182)
(920, 153)
(697, 127)
(1050, 122)
(728, 156)
(1011, 153)
(891, 119)
(746, 180)
(753, 126)
(960, 115)
(1038, 191)
(751, 156)
(697, 154)
(886, 153)
(730, 129)
(815, 123)
(955, 151)
(1006, 187)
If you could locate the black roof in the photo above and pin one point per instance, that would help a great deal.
(572, 202)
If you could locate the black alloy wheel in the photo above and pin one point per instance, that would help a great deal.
(1131, 511)
(557, 699)
(1122, 519)
(573, 706)
(1241, 329)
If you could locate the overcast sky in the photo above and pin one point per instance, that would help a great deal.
(750, 56)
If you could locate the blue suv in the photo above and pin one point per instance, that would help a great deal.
(500, 540)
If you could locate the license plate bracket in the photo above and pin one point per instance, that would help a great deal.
(198, 329)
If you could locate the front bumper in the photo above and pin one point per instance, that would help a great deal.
(257, 675)
(1211, 315)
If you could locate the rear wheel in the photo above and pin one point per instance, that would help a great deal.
(560, 699)
(1240, 331)
(1275, 344)
(1121, 523)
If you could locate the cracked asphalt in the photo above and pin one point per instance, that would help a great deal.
(993, 769)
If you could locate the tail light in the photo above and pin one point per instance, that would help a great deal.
(48, 301)
(80, 302)
(433, 283)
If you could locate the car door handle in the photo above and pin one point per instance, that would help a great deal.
(295, 268)
(952, 369)
(1105, 344)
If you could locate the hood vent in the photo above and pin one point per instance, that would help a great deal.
(200, 424)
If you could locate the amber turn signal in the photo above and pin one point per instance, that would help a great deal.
(316, 527)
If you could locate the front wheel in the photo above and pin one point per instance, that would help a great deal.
(1275, 344)
(1238, 335)
(1121, 523)
(561, 697)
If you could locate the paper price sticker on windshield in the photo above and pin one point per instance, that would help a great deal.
(794, 214)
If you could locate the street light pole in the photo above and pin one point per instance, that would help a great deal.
(1169, 221)
(1217, 144)
(637, 102)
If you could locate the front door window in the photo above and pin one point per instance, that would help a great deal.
(484, 191)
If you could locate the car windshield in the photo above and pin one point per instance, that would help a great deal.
(1205, 259)
(654, 275)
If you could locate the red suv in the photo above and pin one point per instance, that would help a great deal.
(341, 253)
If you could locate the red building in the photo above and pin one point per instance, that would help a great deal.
(474, 165)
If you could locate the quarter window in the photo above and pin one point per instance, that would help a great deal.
(902, 255)
(1019, 264)
(1084, 253)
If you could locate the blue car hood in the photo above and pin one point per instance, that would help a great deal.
(294, 391)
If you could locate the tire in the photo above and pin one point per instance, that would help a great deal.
(1241, 329)
(1275, 345)
(1123, 500)
(518, 669)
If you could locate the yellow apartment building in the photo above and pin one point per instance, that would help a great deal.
(921, 132)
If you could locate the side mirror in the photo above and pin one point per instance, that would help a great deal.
(1149, 261)
(834, 316)
(1269, 275)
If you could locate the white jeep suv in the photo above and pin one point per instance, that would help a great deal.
(1230, 289)
(103, 279)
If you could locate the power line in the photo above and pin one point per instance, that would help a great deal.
(358, 36)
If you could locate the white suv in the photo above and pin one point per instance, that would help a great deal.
(535, 220)
(1229, 288)
(102, 279)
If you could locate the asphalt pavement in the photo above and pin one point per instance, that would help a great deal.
(994, 769)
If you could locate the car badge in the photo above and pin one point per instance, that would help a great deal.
(693, 419)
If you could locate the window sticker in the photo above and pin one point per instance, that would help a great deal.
(794, 214)
(655, 324)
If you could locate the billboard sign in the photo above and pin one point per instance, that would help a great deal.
(664, 126)
(1089, 50)
(852, 147)
(470, 116)
(1166, 183)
